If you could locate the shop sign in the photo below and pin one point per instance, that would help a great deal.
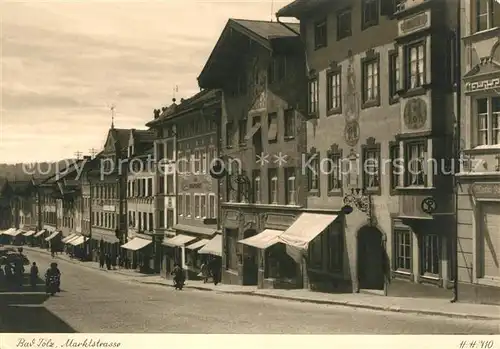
(486, 190)
(414, 24)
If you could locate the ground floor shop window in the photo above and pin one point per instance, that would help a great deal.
(402, 250)
(326, 251)
(193, 259)
(430, 255)
(231, 249)
(279, 264)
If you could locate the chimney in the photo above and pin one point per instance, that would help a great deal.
(156, 113)
(182, 100)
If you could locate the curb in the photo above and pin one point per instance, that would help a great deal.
(393, 309)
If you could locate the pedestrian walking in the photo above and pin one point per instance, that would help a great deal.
(101, 260)
(118, 261)
(33, 275)
(215, 269)
(204, 272)
(108, 261)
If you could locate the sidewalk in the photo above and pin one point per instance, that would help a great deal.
(422, 306)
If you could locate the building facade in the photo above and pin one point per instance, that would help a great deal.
(380, 110)
(186, 193)
(108, 186)
(479, 180)
(140, 202)
(259, 67)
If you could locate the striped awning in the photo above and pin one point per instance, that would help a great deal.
(14, 232)
(67, 238)
(197, 244)
(53, 235)
(78, 241)
(178, 240)
(40, 233)
(70, 240)
(30, 233)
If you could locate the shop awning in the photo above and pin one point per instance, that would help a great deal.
(15, 233)
(265, 239)
(67, 238)
(213, 247)
(29, 233)
(8, 231)
(51, 236)
(195, 229)
(136, 244)
(305, 229)
(178, 240)
(73, 238)
(198, 244)
(40, 233)
(77, 241)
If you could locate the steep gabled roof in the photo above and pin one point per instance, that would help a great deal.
(262, 32)
(143, 136)
(298, 7)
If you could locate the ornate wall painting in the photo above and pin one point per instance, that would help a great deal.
(352, 133)
(415, 113)
(351, 96)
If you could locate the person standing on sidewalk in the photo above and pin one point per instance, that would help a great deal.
(33, 275)
(101, 259)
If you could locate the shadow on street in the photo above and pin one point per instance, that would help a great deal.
(22, 309)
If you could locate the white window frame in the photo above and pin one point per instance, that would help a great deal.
(291, 190)
(181, 204)
(334, 88)
(434, 241)
(212, 206)
(313, 96)
(188, 203)
(397, 255)
(413, 174)
(203, 206)
(257, 190)
(490, 116)
(203, 161)
(197, 207)
(371, 86)
(335, 173)
(274, 190)
(489, 13)
(416, 62)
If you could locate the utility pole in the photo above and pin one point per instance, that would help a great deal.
(92, 152)
(78, 155)
(112, 108)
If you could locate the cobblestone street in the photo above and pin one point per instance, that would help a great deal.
(101, 301)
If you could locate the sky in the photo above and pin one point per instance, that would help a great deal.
(65, 63)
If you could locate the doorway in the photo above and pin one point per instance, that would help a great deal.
(370, 259)
(250, 261)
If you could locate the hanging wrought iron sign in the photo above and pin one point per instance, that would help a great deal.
(357, 198)
(429, 205)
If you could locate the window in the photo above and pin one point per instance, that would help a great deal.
(203, 206)
(203, 161)
(272, 131)
(256, 186)
(394, 165)
(212, 155)
(334, 171)
(197, 206)
(320, 34)
(313, 172)
(394, 76)
(371, 89)
(430, 255)
(415, 68)
(242, 131)
(229, 134)
(144, 187)
(313, 97)
(180, 204)
(150, 187)
(212, 206)
(291, 186)
(188, 205)
(160, 151)
(170, 184)
(170, 150)
(485, 16)
(371, 168)
(144, 221)
(161, 219)
(333, 88)
(170, 218)
(273, 185)
(161, 184)
(415, 163)
(150, 222)
(403, 246)
(289, 116)
(189, 168)
(197, 161)
(488, 121)
(370, 13)
(344, 24)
